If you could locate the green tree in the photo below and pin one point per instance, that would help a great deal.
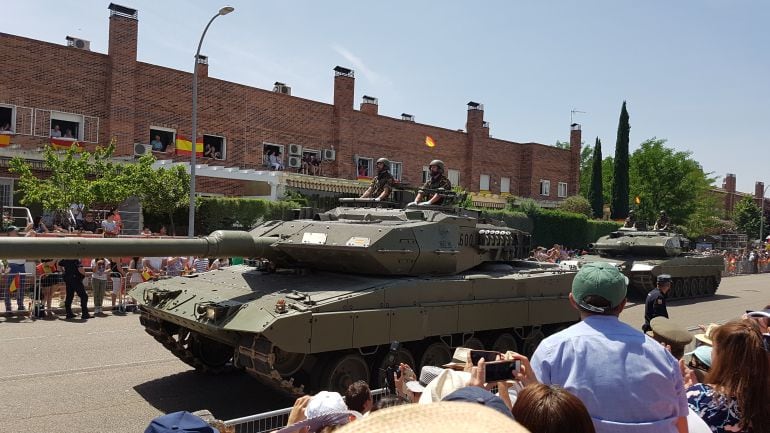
(595, 192)
(576, 204)
(75, 177)
(746, 217)
(620, 184)
(562, 144)
(665, 179)
(161, 191)
(608, 166)
(586, 163)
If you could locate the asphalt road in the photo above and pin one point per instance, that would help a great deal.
(108, 375)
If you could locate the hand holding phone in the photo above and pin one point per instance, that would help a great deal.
(501, 370)
(488, 355)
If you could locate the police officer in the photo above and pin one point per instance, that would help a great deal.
(655, 305)
(382, 184)
(437, 181)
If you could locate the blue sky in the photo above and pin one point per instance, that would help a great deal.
(696, 72)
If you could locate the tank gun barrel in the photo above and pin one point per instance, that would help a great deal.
(220, 243)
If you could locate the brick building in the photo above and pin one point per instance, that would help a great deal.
(99, 97)
(728, 196)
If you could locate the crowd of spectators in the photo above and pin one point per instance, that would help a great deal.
(108, 278)
(599, 375)
(555, 254)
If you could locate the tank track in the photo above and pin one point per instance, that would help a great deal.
(681, 287)
(161, 334)
(256, 359)
(255, 355)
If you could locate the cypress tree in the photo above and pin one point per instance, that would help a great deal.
(620, 178)
(595, 193)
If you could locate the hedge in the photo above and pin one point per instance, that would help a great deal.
(516, 220)
(568, 229)
(222, 213)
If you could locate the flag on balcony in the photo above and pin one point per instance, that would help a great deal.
(146, 275)
(5, 140)
(65, 143)
(15, 284)
(184, 146)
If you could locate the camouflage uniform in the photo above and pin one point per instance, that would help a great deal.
(384, 180)
(437, 182)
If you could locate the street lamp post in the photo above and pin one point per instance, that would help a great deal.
(762, 217)
(194, 139)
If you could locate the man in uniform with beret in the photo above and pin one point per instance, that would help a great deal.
(655, 305)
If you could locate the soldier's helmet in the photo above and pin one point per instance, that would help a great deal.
(662, 212)
(438, 163)
(631, 212)
(385, 162)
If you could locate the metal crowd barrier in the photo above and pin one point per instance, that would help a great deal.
(275, 419)
(28, 292)
(744, 267)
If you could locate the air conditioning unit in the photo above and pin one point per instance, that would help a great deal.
(281, 88)
(78, 43)
(141, 149)
(295, 161)
(329, 155)
(295, 149)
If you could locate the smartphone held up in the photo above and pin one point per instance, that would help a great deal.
(496, 371)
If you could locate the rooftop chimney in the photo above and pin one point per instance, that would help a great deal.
(203, 66)
(407, 117)
(369, 105)
(344, 88)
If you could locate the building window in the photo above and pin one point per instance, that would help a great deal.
(484, 182)
(272, 156)
(364, 167)
(425, 173)
(396, 168)
(7, 119)
(545, 187)
(454, 177)
(505, 185)
(6, 192)
(161, 137)
(214, 147)
(562, 192)
(66, 125)
(311, 162)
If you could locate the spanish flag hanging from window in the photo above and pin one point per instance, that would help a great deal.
(65, 143)
(5, 140)
(15, 284)
(184, 146)
(429, 141)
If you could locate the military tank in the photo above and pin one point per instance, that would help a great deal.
(325, 295)
(642, 255)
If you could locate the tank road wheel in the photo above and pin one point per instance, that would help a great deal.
(688, 288)
(287, 363)
(702, 286)
(402, 355)
(678, 283)
(711, 286)
(473, 343)
(531, 341)
(340, 372)
(213, 354)
(505, 342)
(437, 354)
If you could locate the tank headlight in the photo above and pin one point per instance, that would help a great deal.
(212, 313)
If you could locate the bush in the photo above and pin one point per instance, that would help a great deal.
(525, 205)
(577, 204)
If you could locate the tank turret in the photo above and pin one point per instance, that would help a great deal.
(641, 243)
(333, 290)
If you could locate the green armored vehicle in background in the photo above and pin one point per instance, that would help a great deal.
(324, 296)
(643, 255)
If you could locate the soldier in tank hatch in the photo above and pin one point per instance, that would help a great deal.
(436, 181)
(382, 183)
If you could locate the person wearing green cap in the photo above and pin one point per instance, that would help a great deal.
(627, 380)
